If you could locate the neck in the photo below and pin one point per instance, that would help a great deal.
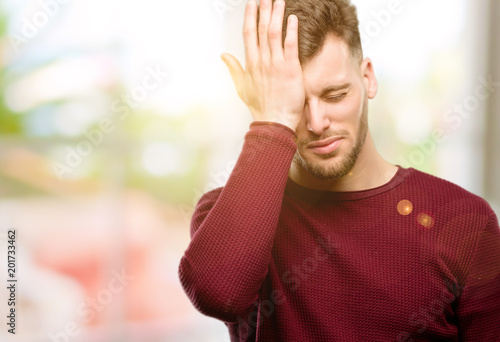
(369, 171)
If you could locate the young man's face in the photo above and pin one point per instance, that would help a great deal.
(337, 91)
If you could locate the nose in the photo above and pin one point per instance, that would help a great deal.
(316, 119)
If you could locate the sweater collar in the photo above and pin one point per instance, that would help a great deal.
(311, 195)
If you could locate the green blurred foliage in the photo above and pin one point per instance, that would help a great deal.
(10, 123)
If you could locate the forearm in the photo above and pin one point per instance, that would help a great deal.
(228, 257)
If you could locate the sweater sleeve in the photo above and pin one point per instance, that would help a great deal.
(479, 304)
(232, 230)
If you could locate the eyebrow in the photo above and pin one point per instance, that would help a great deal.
(331, 88)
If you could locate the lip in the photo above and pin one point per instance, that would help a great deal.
(325, 146)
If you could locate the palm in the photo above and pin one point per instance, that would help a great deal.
(272, 84)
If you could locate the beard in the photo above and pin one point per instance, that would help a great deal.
(340, 169)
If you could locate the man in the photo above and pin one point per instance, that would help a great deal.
(315, 237)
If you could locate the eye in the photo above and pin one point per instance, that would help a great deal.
(335, 98)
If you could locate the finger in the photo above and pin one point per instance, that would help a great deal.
(250, 32)
(235, 69)
(291, 40)
(265, 17)
(276, 29)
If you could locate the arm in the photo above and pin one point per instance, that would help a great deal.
(478, 308)
(233, 229)
(233, 232)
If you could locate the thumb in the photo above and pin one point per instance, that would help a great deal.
(235, 70)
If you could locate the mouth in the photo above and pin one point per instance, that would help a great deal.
(325, 146)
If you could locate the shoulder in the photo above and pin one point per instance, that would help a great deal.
(447, 199)
(208, 199)
(443, 190)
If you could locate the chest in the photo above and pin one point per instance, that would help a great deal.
(347, 262)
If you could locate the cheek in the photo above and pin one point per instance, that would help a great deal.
(302, 126)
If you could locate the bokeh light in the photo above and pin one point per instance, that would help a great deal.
(425, 220)
(405, 207)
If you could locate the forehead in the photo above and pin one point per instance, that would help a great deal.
(331, 65)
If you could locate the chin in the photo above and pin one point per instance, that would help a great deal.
(334, 167)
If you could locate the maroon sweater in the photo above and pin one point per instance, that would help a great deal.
(416, 259)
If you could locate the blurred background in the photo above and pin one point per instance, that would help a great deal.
(116, 116)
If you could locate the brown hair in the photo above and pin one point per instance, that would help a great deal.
(318, 19)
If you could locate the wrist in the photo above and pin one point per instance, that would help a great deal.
(279, 120)
(275, 123)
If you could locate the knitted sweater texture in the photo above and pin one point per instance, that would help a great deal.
(416, 259)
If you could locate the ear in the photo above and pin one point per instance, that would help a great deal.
(369, 79)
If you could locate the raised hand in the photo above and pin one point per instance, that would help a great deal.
(272, 84)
